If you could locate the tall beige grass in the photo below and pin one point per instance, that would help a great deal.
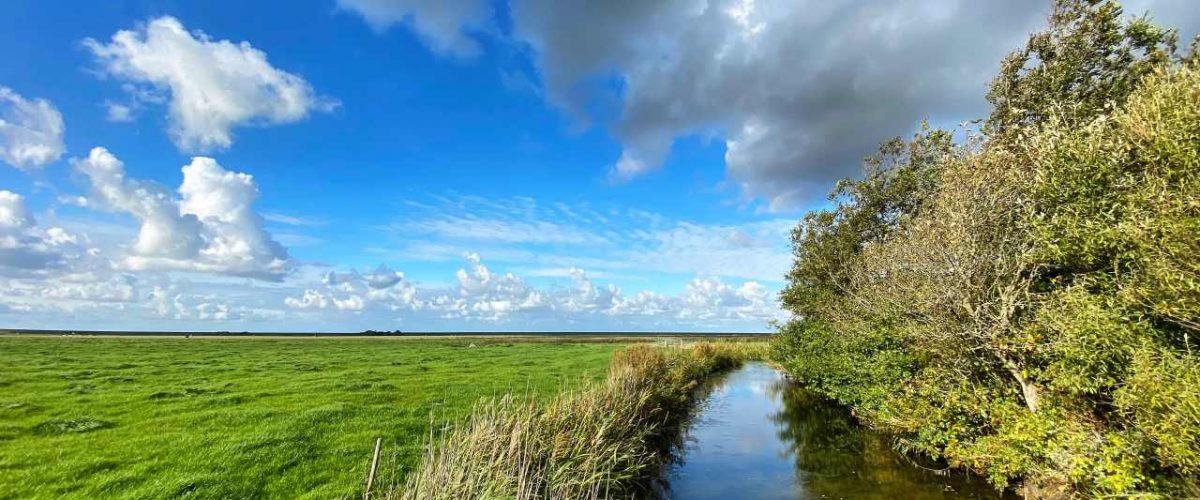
(603, 441)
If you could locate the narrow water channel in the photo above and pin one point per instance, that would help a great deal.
(759, 436)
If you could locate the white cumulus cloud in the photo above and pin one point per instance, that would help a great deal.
(31, 131)
(210, 228)
(25, 247)
(213, 85)
(479, 294)
(382, 288)
(486, 295)
(585, 295)
(709, 298)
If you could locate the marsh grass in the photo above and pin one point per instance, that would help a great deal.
(599, 441)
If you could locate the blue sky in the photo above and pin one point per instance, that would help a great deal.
(456, 165)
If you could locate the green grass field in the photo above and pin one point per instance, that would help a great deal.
(246, 418)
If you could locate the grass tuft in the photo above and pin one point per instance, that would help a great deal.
(71, 426)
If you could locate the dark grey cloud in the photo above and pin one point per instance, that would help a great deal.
(799, 90)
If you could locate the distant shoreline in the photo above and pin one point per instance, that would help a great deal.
(366, 334)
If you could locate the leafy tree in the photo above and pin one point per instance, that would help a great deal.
(897, 181)
(1084, 65)
(1026, 305)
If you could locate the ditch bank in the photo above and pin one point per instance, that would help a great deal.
(609, 440)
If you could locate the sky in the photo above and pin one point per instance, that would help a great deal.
(454, 165)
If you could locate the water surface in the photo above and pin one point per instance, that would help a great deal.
(759, 436)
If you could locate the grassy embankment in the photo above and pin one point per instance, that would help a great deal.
(248, 418)
(599, 441)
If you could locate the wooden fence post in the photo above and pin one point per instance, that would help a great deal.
(374, 466)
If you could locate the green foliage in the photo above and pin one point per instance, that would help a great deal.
(1162, 397)
(1086, 342)
(866, 369)
(1026, 306)
(897, 181)
(1083, 66)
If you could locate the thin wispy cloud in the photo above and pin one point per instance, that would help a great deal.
(521, 230)
(293, 220)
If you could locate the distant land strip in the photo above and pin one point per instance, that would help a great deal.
(373, 333)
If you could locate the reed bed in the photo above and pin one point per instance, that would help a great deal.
(603, 441)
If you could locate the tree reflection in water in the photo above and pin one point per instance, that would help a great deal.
(759, 436)
(835, 457)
